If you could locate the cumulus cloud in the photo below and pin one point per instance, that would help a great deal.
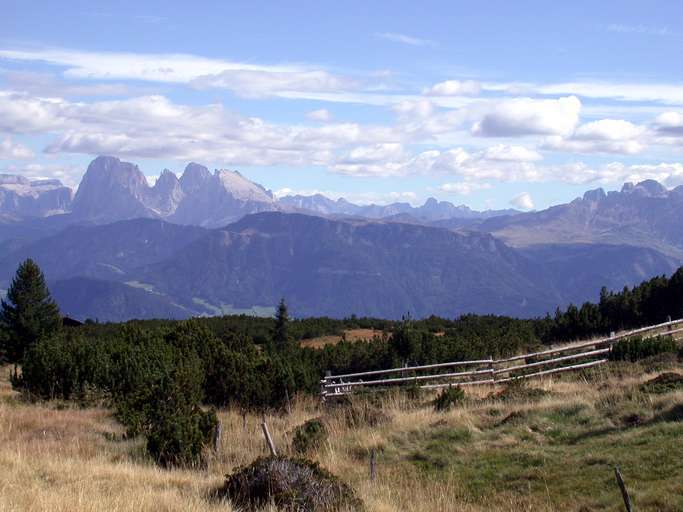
(454, 88)
(321, 115)
(603, 136)
(506, 163)
(526, 116)
(10, 150)
(523, 201)
(155, 127)
(667, 128)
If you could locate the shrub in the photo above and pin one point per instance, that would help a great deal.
(61, 366)
(290, 484)
(519, 390)
(413, 391)
(664, 383)
(364, 414)
(448, 398)
(309, 436)
(637, 348)
(178, 439)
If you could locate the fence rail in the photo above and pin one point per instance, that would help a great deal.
(493, 371)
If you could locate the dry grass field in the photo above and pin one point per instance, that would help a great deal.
(350, 334)
(551, 449)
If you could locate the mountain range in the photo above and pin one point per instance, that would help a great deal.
(214, 242)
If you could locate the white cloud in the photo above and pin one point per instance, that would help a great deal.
(506, 163)
(526, 116)
(322, 115)
(405, 39)
(608, 129)
(259, 84)
(376, 153)
(250, 80)
(506, 153)
(463, 188)
(666, 93)
(454, 88)
(155, 127)
(603, 136)
(523, 201)
(10, 150)
(667, 128)
(47, 84)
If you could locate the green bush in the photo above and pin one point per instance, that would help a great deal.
(665, 383)
(448, 398)
(636, 348)
(61, 366)
(309, 436)
(178, 438)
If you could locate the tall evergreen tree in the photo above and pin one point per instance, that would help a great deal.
(29, 313)
(281, 332)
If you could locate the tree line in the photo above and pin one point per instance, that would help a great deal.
(164, 378)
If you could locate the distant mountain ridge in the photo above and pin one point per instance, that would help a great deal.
(209, 243)
(143, 268)
(38, 198)
(113, 190)
(643, 215)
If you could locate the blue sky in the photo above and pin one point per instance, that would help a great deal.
(488, 104)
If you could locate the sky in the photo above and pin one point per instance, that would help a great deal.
(492, 104)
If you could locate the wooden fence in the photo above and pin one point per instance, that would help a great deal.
(574, 356)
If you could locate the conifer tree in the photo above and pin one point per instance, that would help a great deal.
(281, 332)
(28, 313)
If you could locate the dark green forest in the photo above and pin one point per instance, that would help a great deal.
(164, 376)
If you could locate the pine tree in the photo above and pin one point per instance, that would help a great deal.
(281, 332)
(29, 313)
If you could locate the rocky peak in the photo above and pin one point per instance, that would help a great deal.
(241, 188)
(194, 177)
(596, 195)
(651, 188)
(112, 190)
(167, 181)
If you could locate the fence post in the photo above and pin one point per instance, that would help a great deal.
(323, 383)
(269, 440)
(373, 465)
(492, 369)
(217, 436)
(624, 492)
(289, 405)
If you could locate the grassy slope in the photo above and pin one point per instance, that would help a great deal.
(553, 452)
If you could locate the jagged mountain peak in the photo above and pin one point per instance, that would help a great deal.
(194, 177)
(242, 188)
(652, 188)
(597, 194)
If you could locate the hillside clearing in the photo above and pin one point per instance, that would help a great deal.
(349, 334)
(553, 451)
